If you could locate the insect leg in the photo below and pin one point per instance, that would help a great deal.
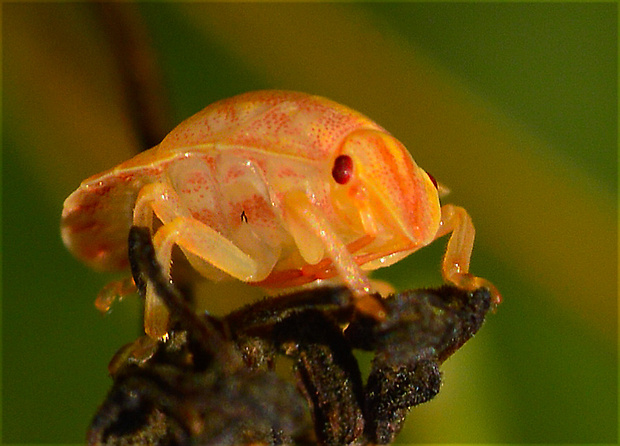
(161, 200)
(206, 244)
(304, 218)
(455, 264)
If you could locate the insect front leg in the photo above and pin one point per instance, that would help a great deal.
(455, 264)
(308, 225)
(193, 237)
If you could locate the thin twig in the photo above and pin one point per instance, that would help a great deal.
(140, 72)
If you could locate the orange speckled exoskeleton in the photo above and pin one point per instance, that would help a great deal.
(274, 188)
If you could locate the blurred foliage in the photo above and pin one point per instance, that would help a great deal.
(512, 105)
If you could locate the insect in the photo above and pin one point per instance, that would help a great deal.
(274, 188)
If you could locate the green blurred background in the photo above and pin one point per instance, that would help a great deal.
(513, 106)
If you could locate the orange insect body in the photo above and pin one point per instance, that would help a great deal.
(274, 188)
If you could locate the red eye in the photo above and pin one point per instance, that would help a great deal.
(433, 180)
(343, 169)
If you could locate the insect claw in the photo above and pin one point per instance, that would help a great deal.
(496, 297)
(370, 305)
(113, 291)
